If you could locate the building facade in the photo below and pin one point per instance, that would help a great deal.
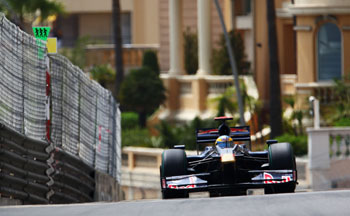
(312, 38)
(139, 21)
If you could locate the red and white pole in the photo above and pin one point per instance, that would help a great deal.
(48, 93)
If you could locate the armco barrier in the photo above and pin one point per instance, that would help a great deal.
(73, 180)
(36, 173)
(23, 166)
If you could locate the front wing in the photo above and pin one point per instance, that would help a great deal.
(197, 182)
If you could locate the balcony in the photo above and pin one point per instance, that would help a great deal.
(323, 91)
(104, 54)
(328, 150)
(190, 95)
(310, 7)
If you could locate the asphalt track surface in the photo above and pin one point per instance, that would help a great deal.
(332, 203)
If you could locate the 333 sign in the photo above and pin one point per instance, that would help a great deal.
(41, 32)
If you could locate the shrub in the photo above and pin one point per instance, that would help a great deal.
(77, 54)
(139, 137)
(103, 74)
(342, 122)
(129, 120)
(221, 61)
(184, 134)
(150, 60)
(142, 91)
(190, 52)
(299, 143)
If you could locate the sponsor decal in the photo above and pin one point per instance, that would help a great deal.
(163, 183)
(193, 179)
(181, 187)
(271, 181)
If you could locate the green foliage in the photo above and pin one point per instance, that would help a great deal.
(129, 120)
(190, 51)
(226, 102)
(299, 143)
(136, 137)
(103, 74)
(142, 91)
(289, 125)
(169, 135)
(342, 122)
(221, 61)
(25, 8)
(183, 134)
(342, 96)
(150, 60)
(77, 54)
(290, 100)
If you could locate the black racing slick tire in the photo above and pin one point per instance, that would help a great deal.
(281, 156)
(174, 163)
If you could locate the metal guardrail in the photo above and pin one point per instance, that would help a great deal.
(73, 179)
(23, 166)
(36, 173)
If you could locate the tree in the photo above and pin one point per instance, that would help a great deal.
(190, 51)
(275, 89)
(19, 9)
(142, 91)
(221, 61)
(118, 52)
(150, 60)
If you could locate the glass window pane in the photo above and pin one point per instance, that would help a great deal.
(329, 52)
(126, 27)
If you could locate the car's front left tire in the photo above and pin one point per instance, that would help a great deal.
(174, 163)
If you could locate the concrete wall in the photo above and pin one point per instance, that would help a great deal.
(286, 42)
(261, 52)
(106, 188)
(81, 6)
(95, 18)
(145, 22)
(8, 201)
(328, 160)
(322, 3)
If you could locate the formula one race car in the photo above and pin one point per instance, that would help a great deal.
(227, 167)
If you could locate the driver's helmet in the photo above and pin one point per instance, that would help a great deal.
(224, 141)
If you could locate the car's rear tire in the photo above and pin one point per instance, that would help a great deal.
(281, 156)
(174, 163)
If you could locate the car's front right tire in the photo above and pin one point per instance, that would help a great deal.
(281, 156)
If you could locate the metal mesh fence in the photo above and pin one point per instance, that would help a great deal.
(23, 81)
(88, 117)
(34, 90)
(84, 116)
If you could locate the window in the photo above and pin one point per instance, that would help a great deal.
(329, 54)
(126, 27)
